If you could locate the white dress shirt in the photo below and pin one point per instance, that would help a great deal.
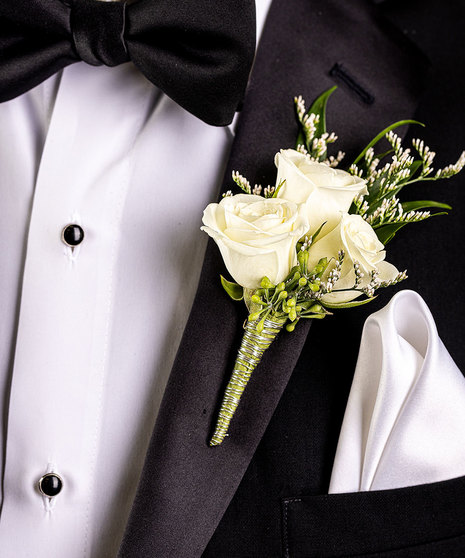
(88, 335)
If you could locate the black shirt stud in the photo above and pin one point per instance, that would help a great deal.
(72, 235)
(50, 485)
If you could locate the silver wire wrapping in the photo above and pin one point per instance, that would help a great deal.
(253, 345)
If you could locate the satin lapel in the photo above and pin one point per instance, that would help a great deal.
(186, 486)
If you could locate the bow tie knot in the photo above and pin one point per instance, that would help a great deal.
(199, 52)
(98, 31)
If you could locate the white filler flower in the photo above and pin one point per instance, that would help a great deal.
(361, 245)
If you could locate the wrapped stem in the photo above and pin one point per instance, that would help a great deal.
(253, 345)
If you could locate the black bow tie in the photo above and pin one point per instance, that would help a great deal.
(199, 52)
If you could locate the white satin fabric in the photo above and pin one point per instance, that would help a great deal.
(405, 418)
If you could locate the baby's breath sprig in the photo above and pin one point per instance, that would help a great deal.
(313, 139)
(242, 182)
(308, 120)
(391, 211)
(381, 207)
(375, 283)
(427, 156)
(334, 275)
(257, 190)
(451, 170)
(269, 191)
(368, 289)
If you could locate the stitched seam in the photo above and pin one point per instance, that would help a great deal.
(338, 71)
(372, 552)
(287, 502)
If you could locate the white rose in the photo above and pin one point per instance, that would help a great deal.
(326, 191)
(257, 237)
(360, 244)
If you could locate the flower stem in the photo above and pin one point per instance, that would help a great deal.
(253, 345)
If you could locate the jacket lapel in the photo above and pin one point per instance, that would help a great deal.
(306, 47)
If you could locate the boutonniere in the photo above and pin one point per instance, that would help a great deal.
(315, 242)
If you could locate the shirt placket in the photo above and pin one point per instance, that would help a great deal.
(64, 327)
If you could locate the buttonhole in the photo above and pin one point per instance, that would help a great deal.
(341, 75)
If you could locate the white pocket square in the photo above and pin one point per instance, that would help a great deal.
(405, 418)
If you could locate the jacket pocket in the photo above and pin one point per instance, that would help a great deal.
(371, 523)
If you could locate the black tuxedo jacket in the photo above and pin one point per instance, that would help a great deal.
(263, 493)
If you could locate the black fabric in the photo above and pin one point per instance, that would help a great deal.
(198, 51)
(185, 486)
(98, 32)
(301, 43)
(361, 524)
(294, 460)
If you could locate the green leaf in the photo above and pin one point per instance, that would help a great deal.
(315, 234)
(381, 135)
(385, 154)
(251, 306)
(352, 304)
(413, 168)
(387, 232)
(436, 215)
(235, 291)
(278, 187)
(319, 107)
(423, 204)
(373, 198)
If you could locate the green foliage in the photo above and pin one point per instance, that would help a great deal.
(302, 293)
(235, 291)
(319, 108)
(312, 138)
(386, 173)
(386, 234)
(352, 304)
(424, 204)
(381, 207)
(278, 187)
(383, 134)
